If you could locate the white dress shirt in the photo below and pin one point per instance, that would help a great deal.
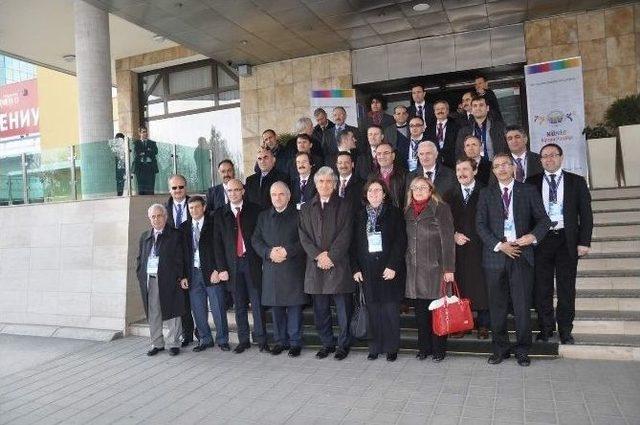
(558, 209)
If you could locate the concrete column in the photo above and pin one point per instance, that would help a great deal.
(95, 109)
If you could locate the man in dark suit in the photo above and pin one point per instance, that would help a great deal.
(322, 124)
(258, 184)
(204, 288)
(145, 164)
(489, 131)
(395, 134)
(302, 187)
(238, 265)
(331, 137)
(366, 163)
(178, 213)
(419, 107)
(408, 147)
(217, 195)
(160, 272)
(510, 220)
(464, 116)
(443, 178)
(444, 134)
(527, 163)
(482, 88)
(304, 144)
(473, 150)
(393, 175)
(567, 201)
(349, 184)
(282, 154)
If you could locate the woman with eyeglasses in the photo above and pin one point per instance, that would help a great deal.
(378, 266)
(430, 259)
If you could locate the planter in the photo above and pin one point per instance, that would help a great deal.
(630, 147)
(602, 162)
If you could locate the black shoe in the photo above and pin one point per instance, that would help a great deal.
(241, 347)
(523, 360)
(567, 339)
(391, 357)
(544, 336)
(186, 342)
(295, 351)
(422, 355)
(325, 351)
(341, 354)
(224, 347)
(174, 351)
(154, 351)
(437, 358)
(498, 358)
(372, 356)
(277, 349)
(264, 348)
(202, 347)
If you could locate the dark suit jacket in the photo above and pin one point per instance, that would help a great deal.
(225, 241)
(494, 106)
(330, 143)
(309, 190)
(392, 135)
(170, 270)
(143, 151)
(318, 133)
(462, 119)
(169, 207)
(529, 217)
(484, 171)
(429, 114)
(353, 191)
(387, 121)
(396, 185)
(215, 198)
(534, 164)
(445, 181)
(446, 154)
(576, 209)
(260, 194)
(402, 150)
(496, 133)
(205, 248)
(365, 165)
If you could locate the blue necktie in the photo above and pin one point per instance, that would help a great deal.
(179, 215)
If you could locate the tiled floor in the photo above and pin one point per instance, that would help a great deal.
(116, 382)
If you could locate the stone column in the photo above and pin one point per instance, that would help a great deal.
(95, 109)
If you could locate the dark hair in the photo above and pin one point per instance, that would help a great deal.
(268, 130)
(142, 128)
(472, 162)
(197, 198)
(345, 132)
(413, 85)
(484, 77)
(441, 101)
(379, 127)
(517, 128)
(119, 136)
(400, 106)
(380, 98)
(307, 154)
(319, 111)
(552, 145)
(417, 117)
(387, 195)
(502, 155)
(226, 161)
(345, 153)
(477, 96)
(471, 136)
(304, 136)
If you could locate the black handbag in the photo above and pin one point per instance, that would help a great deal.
(359, 325)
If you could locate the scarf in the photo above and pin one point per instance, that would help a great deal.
(418, 207)
(376, 117)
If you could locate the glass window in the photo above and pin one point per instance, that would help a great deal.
(199, 102)
(190, 80)
(226, 80)
(227, 97)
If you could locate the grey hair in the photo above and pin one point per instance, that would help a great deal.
(282, 186)
(155, 207)
(173, 176)
(430, 144)
(325, 171)
(301, 125)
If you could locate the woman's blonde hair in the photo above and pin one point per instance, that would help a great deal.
(422, 179)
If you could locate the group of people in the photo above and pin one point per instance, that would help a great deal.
(429, 199)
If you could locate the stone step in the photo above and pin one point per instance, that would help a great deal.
(613, 245)
(615, 204)
(603, 347)
(608, 282)
(608, 299)
(621, 263)
(626, 217)
(616, 230)
(616, 193)
(607, 322)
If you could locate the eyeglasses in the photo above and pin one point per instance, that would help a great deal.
(420, 188)
(550, 155)
(177, 187)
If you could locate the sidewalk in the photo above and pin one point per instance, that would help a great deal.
(49, 380)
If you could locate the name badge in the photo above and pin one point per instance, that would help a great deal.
(555, 211)
(152, 264)
(510, 230)
(196, 258)
(375, 241)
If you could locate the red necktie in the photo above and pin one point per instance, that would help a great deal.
(239, 238)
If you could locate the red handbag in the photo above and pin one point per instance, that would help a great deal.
(452, 317)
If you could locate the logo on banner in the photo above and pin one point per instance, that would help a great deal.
(19, 112)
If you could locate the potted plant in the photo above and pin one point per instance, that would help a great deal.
(624, 114)
(601, 147)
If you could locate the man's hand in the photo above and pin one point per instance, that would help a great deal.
(460, 238)
(511, 250)
(525, 240)
(278, 254)
(583, 250)
(388, 274)
(357, 276)
(215, 277)
(184, 284)
(324, 262)
(224, 276)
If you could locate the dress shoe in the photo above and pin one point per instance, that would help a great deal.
(174, 351)
(422, 355)
(295, 351)
(483, 333)
(392, 357)
(544, 336)
(437, 358)
(341, 354)
(498, 358)
(264, 348)
(372, 356)
(201, 347)
(154, 351)
(325, 351)
(224, 347)
(277, 349)
(523, 360)
(241, 347)
(567, 339)
(185, 343)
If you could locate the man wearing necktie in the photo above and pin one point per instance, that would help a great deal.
(443, 178)
(567, 201)
(331, 138)
(408, 147)
(217, 195)
(527, 163)
(145, 164)
(303, 187)
(444, 134)
(491, 132)
(420, 107)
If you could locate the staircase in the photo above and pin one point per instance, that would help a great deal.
(607, 324)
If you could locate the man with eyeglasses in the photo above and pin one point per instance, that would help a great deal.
(567, 201)
(408, 147)
(393, 176)
(178, 213)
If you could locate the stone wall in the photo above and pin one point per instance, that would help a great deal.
(608, 41)
(276, 94)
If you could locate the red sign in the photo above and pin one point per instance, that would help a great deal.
(19, 112)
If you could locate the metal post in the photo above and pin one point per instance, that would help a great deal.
(211, 166)
(127, 165)
(175, 158)
(25, 187)
(72, 162)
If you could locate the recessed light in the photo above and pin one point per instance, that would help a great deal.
(421, 7)
(69, 58)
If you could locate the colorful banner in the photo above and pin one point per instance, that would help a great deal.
(555, 102)
(19, 112)
(330, 98)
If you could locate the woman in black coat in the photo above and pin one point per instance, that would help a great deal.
(469, 272)
(378, 266)
(377, 114)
